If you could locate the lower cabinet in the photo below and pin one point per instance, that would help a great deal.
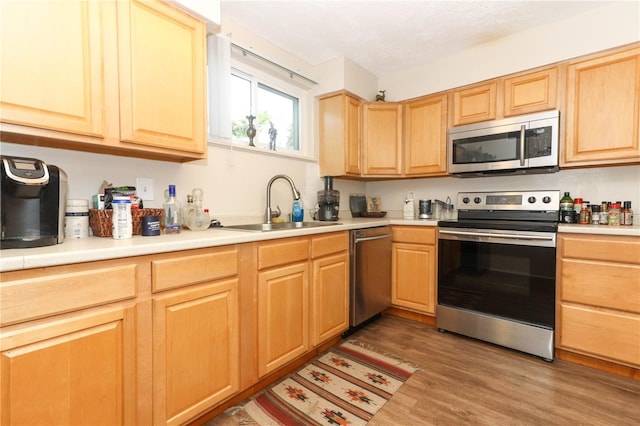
(413, 268)
(599, 297)
(195, 332)
(72, 369)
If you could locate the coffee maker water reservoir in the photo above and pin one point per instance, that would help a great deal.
(32, 203)
(328, 201)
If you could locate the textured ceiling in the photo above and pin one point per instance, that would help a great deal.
(385, 36)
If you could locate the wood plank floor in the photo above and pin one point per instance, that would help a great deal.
(464, 381)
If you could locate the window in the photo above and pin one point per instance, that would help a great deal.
(276, 113)
(242, 84)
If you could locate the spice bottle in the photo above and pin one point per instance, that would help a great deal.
(595, 214)
(604, 213)
(585, 214)
(577, 208)
(626, 215)
(566, 208)
(614, 214)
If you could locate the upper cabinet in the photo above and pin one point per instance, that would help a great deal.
(602, 118)
(425, 136)
(382, 138)
(529, 92)
(474, 103)
(125, 78)
(339, 130)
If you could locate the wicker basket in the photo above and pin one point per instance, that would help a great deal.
(101, 220)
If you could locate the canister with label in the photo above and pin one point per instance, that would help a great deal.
(76, 219)
(122, 225)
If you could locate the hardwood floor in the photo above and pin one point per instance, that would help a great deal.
(464, 381)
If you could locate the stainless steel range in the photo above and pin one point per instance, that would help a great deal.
(496, 269)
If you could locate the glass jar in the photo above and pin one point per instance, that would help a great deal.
(566, 209)
(595, 214)
(614, 214)
(604, 213)
(585, 214)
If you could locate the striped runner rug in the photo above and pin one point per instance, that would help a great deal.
(346, 386)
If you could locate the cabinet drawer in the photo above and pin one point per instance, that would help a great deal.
(601, 284)
(414, 234)
(192, 269)
(52, 291)
(595, 247)
(328, 244)
(283, 252)
(610, 335)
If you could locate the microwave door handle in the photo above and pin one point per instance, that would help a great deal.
(522, 136)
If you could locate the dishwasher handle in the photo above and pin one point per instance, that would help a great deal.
(377, 237)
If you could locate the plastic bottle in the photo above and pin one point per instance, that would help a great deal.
(577, 208)
(408, 211)
(122, 222)
(585, 214)
(297, 212)
(566, 209)
(604, 213)
(171, 216)
(614, 214)
(76, 219)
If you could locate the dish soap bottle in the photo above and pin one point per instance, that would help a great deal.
(408, 210)
(172, 223)
(297, 212)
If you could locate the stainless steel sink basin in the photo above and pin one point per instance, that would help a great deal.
(263, 227)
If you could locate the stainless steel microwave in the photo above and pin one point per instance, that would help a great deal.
(515, 145)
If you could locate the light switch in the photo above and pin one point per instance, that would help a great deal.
(144, 188)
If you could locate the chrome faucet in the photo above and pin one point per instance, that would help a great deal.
(296, 194)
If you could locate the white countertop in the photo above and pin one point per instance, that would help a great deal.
(96, 248)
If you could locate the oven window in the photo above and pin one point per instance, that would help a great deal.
(509, 281)
(487, 149)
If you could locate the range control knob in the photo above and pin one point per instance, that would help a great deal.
(477, 200)
(465, 200)
(531, 200)
(546, 199)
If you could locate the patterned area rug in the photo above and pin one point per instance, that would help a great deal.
(346, 386)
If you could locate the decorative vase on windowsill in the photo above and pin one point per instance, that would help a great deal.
(251, 129)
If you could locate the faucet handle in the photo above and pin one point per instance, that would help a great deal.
(276, 213)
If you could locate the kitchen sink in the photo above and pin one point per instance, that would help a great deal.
(263, 227)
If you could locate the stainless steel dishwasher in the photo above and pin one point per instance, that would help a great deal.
(370, 281)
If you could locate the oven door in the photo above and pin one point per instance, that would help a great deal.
(499, 273)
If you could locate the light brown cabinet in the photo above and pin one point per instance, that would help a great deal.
(125, 78)
(602, 119)
(339, 132)
(599, 297)
(329, 286)
(64, 358)
(382, 138)
(283, 302)
(195, 333)
(474, 103)
(529, 92)
(425, 136)
(413, 268)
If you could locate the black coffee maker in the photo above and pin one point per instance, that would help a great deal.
(32, 203)
(328, 201)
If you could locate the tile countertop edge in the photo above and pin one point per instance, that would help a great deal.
(95, 248)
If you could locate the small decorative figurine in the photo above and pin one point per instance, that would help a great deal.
(273, 134)
(251, 129)
(380, 96)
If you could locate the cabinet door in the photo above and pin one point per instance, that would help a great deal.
(52, 78)
(382, 138)
(283, 316)
(330, 297)
(162, 76)
(425, 136)
(474, 104)
(531, 92)
(339, 132)
(195, 357)
(413, 277)
(603, 110)
(70, 370)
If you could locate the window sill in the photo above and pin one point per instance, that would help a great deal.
(260, 150)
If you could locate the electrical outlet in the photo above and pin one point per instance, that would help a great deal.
(144, 188)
